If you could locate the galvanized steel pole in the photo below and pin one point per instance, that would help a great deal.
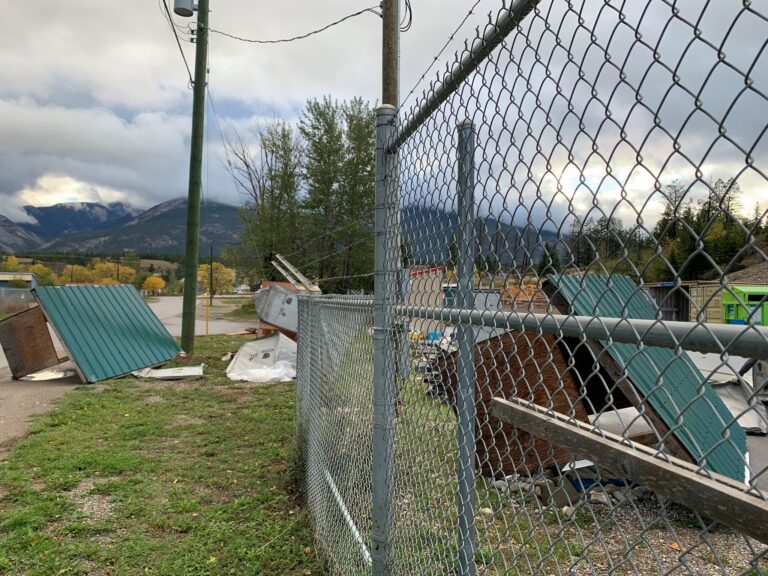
(195, 182)
(383, 374)
(465, 364)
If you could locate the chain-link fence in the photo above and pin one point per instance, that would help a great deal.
(13, 300)
(563, 368)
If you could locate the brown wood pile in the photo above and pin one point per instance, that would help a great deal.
(523, 365)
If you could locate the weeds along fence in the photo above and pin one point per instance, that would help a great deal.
(562, 368)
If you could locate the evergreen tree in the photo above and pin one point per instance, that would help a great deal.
(549, 261)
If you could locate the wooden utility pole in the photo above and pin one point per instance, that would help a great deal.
(390, 81)
(195, 181)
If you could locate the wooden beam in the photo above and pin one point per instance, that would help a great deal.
(612, 368)
(714, 496)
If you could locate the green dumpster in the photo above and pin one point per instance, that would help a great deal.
(746, 305)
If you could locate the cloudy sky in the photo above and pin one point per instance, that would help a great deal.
(95, 106)
(94, 103)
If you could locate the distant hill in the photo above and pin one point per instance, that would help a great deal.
(429, 233)
(73, 217)
(159, 230)
(15, 238)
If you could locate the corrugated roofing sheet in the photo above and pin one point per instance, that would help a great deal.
(673, 385)
(108, 331)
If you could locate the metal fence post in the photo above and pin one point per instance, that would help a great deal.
(314, 441)
(465, 336)
(383, 376)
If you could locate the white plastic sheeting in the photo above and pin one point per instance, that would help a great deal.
(268, 359)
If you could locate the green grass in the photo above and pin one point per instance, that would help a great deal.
(190, 478)
(244, 311)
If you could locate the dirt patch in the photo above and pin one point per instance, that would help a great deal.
(153, 400)
(236, 393)
(165, 384)
(95, 506)
(182, 420)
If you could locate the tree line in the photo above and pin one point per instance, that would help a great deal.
(691, 240)
(129, 271)
(309, 189)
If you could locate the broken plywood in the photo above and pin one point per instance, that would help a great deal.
(27, 344)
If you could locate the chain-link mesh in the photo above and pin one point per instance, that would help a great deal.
(334, 395)
(569, 220)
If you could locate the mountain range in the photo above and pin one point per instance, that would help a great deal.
(429, 234)
(90, 227)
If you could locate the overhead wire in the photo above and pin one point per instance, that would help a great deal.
(247, 223)
(407, 20)
(169, 19)
(372, 10)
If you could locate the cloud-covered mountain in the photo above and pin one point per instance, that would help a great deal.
(113, 228)
(71, 217)
(159, 230)
(429, 234)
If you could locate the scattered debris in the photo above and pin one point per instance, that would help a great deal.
(268, 359)
(751, 415)
(27, 344)
(279, 307)
(181, 373)
(108, 331)
(52, 374)
(535, 370)
(637, 373)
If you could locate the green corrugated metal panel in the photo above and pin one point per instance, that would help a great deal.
(673, 385)
(108, 331)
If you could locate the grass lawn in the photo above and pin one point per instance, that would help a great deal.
(245, 310)
(175, 478)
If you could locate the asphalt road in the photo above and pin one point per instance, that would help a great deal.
(168, 309)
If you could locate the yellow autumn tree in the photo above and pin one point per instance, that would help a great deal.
(223, 278)
(45, 276)
(153, 284)
(76, 274)
(11, 264)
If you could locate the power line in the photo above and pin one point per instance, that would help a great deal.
(348, 277)
(337, 251)
(407, 20)
(372, 10)
(169, 18)
(436, 58)
(305, 245)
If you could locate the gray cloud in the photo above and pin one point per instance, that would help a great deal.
(95, 104)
